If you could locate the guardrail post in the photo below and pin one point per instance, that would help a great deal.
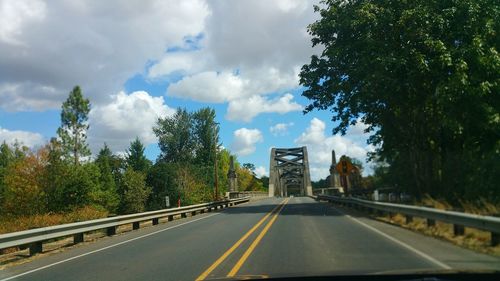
(431, 222)
(136, 225)
(495, 239)
(458, 230)
(170, 218)
(77, 238)
(202, 211)
(409, 219)
(111, 230)
(183, 215)
(193, 213)
(36, 248)
(156, 221)
(209, 209)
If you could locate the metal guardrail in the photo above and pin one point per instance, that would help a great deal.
(35, 237)
(242, 194)
(458, 219)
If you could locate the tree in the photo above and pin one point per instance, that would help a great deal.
(423, 75)
(162, 178)
(175, 137)
(247, 180)
(250, 167)
(80, 185)
(107, 195)
(74, 126)
(134, 192)
(24, 190)
(206, 135)
(135, 157)
(265, 182)
(57, 171)
(6, 157)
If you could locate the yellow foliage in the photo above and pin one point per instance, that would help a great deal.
(23, 181)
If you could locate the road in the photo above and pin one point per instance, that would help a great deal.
(270, 237)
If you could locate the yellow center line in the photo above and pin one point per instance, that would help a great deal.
(254, 244)
(236, 245)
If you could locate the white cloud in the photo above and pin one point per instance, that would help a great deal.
(182, 61)
(246, 109)
(245, 140)
(95, 44)
(15, 15)
(261, 171)
(275, 37)
(320, 146)
(248, 60)
(280, 129)
(359, 128)
(209, 87)
(29, 139)
(219, 87)
(124, 118)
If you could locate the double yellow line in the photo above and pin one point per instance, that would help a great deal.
(250, 249)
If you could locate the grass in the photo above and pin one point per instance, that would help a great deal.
(479, 207)
(473, 239)
(13, 224)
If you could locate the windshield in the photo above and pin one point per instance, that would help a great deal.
(198, 139)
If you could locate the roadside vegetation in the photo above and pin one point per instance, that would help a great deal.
(63, 182)
(424, 77)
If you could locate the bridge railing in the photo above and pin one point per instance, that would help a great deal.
(458, 219)
(35, 238)
(242, 194)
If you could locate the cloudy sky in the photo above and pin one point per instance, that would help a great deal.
(139, 61)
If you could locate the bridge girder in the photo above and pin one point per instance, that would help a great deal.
(289, 167)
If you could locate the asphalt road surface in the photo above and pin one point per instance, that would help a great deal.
(270, 237)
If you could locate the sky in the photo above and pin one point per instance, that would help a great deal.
(141, 60)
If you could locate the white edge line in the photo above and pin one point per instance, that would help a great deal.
(423, 255)
(105, 248)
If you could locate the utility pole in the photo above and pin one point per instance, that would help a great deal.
(216, 178)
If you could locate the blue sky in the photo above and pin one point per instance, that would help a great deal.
(141, 61)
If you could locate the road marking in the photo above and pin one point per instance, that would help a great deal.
(404, 245)
(235, 246)
(254, 244)
(105, 248)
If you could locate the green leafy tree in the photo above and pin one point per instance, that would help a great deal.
(57, 171)
(265, 182)
(250, 167)
(134, 192)
(74, 126)
(206, 135)
(175, 137)
(423, 75)
(107, 195)
(135, 157)
(81, 183)
(162, 178)
(6, 157)
(223, 165)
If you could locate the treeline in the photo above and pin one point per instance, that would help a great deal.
(63, 176)
(424, 77)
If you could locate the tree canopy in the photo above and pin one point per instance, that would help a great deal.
(74, 126)
(423, 75)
